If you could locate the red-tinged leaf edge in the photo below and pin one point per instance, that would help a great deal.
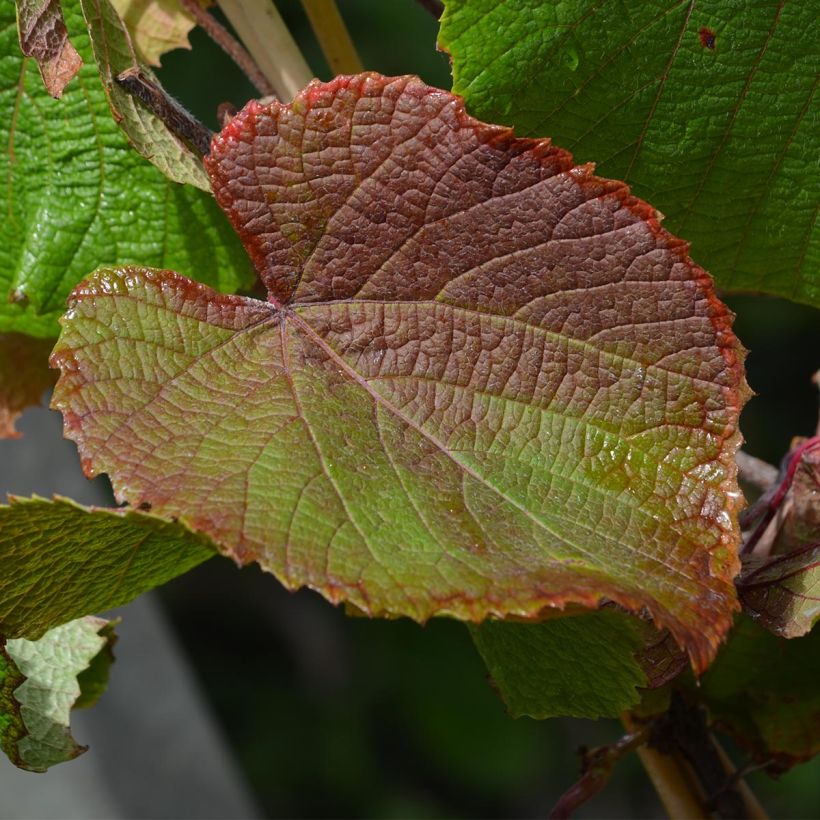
(722, 563)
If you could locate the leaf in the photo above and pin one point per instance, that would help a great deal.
(79, 196)
(763, 690)
(707, 110)
(578, 666)
(148, 134)
(24, 377)
(34, 717)
(485, 382)
(43, 36)
(59, 561)
(156, 26)
(782, 590)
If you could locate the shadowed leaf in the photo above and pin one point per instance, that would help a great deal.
(485, 381)
(59, 561)
(43, 36)
(78, 196)
(706, 109)
(24, 377)
(578, 666)
(34, 717)
(763, 690)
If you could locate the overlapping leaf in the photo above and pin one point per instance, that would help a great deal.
(485, 381)
(39, 685)
(149, 135)
(78, 196)
(580, 666)
(156, 26)
(706, 109)
(43, 36)
(60, 561)
(763, 690)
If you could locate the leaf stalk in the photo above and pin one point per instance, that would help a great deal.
(333, 36)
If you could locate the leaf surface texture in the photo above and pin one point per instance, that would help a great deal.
(485, 382)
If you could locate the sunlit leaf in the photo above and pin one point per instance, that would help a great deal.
(156, 26)
(485, 381)
(24, 377)
(34, 714)
(59, 561)
(77, 195)
(706, 109)
(43, 36)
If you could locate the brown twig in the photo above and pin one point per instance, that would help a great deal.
(230, 45)
(435, 7)
(176, 118)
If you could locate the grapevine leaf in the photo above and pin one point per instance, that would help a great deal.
(79, 196)
(43, 36)
(149, 135)
(24, 377)
(578, 666)
(485, 381)
(156, 26)
(707, 110)
(763, 690)
(34, 716)
(59, 561)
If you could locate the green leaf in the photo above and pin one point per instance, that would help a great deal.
(24, 377)
(43, 36)
(78, 196)
(59, 561)
(706, 109)
(579, 666)
(485, 382)
(149, 135)
(34, 716)
(763, 690)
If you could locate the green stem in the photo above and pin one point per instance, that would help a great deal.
(333, 36)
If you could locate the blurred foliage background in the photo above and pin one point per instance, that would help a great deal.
(337, 716)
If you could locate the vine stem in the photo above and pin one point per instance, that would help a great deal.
(757, 472)
(333, 36)
(267, 38)
(229, 44)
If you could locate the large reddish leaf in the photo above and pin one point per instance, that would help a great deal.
(486, 382)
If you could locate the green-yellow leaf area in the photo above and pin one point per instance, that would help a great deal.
(578, 666)
(49, 689)
(763, 690)
(76, 195)
(150, 136)
(59, 561)
(706, 109)
(156, 26)
(485, 382)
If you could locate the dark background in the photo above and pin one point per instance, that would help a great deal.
(325, 715)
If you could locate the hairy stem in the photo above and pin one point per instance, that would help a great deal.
(181, 123)
(333, 36)
(230, 45)
(266, 36)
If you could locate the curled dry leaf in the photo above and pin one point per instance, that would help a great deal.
(24, 376)
(44, 37)
(485, 381)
